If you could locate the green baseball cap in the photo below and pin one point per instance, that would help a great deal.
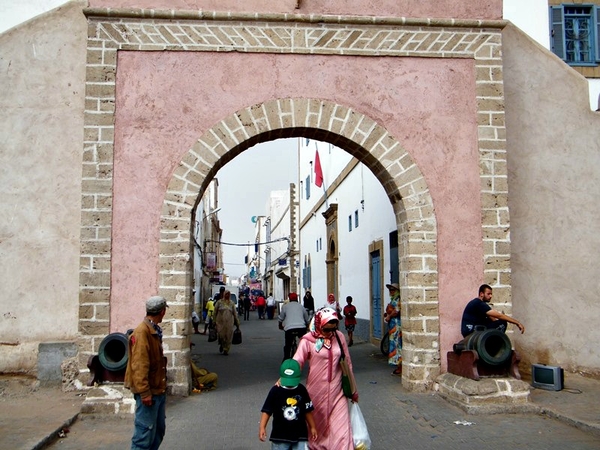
(290, 373)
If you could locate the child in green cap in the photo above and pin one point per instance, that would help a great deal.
(291, 407)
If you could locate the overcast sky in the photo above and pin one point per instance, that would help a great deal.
(244, 187)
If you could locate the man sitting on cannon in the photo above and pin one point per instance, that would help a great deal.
(485, 349)
(478, 312)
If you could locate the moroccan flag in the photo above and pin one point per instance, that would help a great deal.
(318, 170)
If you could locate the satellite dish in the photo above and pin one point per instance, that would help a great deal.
(254, 219)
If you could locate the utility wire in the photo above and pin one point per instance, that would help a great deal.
(249, 244)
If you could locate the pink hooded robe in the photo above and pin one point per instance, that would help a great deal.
(324, 384)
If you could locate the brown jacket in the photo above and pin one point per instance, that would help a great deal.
(146, 372)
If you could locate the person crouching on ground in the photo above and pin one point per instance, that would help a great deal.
(146, 377)
(291, 407)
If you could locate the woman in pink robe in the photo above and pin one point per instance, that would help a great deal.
(321, 350)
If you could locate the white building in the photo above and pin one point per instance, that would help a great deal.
(208, 254)
(348, 234)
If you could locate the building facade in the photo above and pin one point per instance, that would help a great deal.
(118, 121)
(348, 234)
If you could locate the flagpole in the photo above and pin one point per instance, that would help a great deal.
(323, 184)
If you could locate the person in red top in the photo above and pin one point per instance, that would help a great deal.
(350, 319)
(260, 306)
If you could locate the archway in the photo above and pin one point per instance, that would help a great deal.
(474, 48)
(401, 179)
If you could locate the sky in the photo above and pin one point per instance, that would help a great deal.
(244, 186)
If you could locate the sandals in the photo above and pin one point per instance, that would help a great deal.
(397, 371)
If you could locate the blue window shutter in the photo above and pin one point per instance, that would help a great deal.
(557, 32)
(596, 20)
(308, 187)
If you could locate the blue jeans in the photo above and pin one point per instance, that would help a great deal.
(301, 445)
(149, 427)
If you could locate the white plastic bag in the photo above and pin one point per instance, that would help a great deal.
(360, 433)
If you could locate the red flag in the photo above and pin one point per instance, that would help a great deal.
(318, 170)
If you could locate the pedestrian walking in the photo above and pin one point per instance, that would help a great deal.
(146, 377)
(247, 306)
(323, 348)
(210, 313)
(260, 306)
(270, 307)
(392, 318)
(290, 406)
(195, 322)
(335, 305)
(309, 304)
(350, 319)
(293, 319)
(225, 318)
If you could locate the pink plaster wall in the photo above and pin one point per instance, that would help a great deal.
(458, 9)
(166, 100)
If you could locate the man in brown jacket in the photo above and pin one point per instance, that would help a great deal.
(146, 377)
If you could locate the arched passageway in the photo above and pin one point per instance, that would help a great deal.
(363, 139)
(114, 253)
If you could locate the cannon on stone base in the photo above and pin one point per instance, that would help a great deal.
(484, 353)
(111, 361)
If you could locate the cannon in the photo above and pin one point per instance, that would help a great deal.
(111, 361)
(484, 353)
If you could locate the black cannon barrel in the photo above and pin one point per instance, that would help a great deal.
(492, 346)
(112, 352)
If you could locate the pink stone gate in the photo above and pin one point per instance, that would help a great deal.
(161, 258)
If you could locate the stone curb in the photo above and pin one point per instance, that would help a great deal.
(577, 423)
(54, 436)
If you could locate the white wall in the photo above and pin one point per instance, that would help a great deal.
(376, 221)
(41, 143)
(279, 212)
(532, 17)
(14, 12)
(553, 147)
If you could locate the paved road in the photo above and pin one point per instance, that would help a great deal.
(227, 418)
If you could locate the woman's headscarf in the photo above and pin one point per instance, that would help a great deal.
(331, 300)
(322, 316)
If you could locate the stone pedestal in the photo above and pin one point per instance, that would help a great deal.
(109, 400)
(491, 395)
(468, 364)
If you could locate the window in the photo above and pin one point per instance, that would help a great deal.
(356, 219)
(307, 187)
(350, 222)
(306, 274)
(575, 33)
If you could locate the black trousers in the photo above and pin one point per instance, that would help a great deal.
(290, 335)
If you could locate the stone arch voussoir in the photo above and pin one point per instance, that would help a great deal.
(365, 139)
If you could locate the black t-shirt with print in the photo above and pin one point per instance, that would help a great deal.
(288, 408)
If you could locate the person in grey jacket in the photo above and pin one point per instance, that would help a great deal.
(294, 320)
